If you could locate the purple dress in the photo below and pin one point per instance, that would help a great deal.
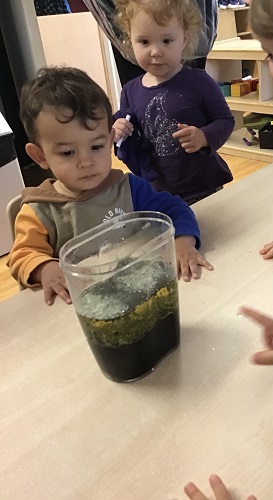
(191, 97)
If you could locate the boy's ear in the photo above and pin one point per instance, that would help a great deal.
(36, 154)
(112, 135)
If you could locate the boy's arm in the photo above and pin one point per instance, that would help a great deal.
(145, 197)
(187, 234)
(30, 248)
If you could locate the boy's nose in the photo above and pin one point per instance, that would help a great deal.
(85, 161)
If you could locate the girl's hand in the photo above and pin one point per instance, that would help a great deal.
(267, 251)
(191, 138)
(123, 128)
(219, 489)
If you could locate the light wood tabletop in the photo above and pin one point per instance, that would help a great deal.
(67, 432)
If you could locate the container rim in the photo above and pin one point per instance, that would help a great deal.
(147, 216)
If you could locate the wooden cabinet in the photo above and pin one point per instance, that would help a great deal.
(233, 23)
(76, 40)
(225, 63)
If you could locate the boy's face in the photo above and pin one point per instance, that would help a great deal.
(79, 158)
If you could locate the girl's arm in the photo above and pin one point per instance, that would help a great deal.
(123, 128)
(220, 119)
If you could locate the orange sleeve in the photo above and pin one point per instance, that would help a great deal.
(31, 247)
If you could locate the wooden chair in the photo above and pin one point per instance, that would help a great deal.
(12, 210)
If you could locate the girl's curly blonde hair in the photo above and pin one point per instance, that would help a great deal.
(261, 18)
(163, 11)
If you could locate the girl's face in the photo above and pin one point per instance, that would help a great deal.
(158, 49)
(267, 45)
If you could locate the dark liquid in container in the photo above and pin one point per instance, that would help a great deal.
(130, 346)
(132, 361)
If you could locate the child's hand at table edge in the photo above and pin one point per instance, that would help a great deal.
(189, 259)
(267, 251)
(266, 322)
(52, 280)
(218, 487)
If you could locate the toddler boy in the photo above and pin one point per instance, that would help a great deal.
(68, 120)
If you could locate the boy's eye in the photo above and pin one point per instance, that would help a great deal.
(97, 147)
(167, 41)
(144, 42)
(67, 153)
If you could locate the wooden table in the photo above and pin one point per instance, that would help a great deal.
(67, 432)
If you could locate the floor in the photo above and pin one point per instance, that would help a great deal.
(240, 168)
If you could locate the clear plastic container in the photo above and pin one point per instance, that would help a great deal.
(122, 278)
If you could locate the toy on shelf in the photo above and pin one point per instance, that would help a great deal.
(254, 84)
(256, 120)
(263, 124)
(239, 87)
(225, 88)
(247, 84)
(250, 137)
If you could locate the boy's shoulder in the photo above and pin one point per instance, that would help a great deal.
(45, 192)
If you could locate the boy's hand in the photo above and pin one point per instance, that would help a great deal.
(52, 280)
(219, 489)
(191, 138)
(263, 357)
(123, 128)
(188, 258)
(267, 251)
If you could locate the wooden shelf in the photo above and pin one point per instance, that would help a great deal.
(229, 55)
(244, 33)
(232, 23)
(238, 49)
(239, 9)
(235, 146)
(250, 102)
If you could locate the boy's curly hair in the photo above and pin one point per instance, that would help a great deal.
(261, 18)
(63, 87)
(186, 12)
